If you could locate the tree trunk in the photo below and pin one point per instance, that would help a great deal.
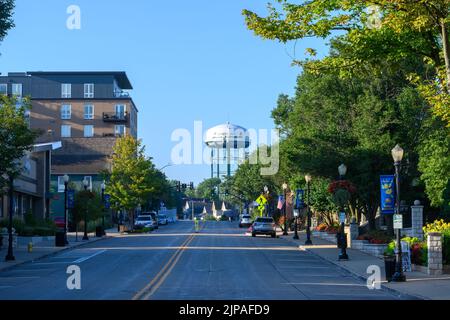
(446, 49)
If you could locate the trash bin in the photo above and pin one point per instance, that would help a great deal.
(60, 239)
(99, 232)
(389, 266)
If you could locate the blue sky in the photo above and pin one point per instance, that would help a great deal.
(187, 60)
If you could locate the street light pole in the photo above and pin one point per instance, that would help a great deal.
(66, 182)
(397, 155)
(103, 186)
(85, 236)
(308, 241)
(343, 241)
(10, 255)
(285, 233)
(266, 193)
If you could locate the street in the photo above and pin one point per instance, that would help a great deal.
(173, 263)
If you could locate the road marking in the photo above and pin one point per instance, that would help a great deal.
(157, 281)
(325, 284)
(5, 287)
(89, 257)
(8, 278)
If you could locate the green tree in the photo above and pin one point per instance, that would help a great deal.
(133, 180)
(208, 189)
(6, 21)
(87, 203)
(15, 138)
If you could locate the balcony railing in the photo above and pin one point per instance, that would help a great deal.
(121, 94)
(115, 117)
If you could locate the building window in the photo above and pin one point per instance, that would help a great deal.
(3, 89)
(88, 90)
(60, 184)
(88, 111)
(119, 130)
(66, 112)
(65, 131)
(121, 110)
(88, 178)
(88, 131)
(66, 90)
(17, 90)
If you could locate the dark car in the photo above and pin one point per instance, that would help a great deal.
(264, 226)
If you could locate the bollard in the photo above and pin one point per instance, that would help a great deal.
(30, 247)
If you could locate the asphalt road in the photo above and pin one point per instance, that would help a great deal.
(172, 263)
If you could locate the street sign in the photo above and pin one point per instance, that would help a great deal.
(261, 200)
(341, 217)
(70, 199)
(398, 221)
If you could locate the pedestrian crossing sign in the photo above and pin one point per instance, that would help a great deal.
(261, 200)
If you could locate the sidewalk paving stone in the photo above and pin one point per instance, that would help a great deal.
(418, 285)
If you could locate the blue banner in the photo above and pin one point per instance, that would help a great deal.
(70, 199)
(387, 188)
(299, 199)
(107, 199)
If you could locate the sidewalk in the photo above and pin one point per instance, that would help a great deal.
(45, 249)
(417, 285)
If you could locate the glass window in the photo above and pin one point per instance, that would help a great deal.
(65, 131)
(88, 131)
(88, 111)
(66, 111)
(60, 184)
(3, 88)
(119, 130)
(88, 90)
(120, 110)
(66, 90)
(88, 178)
(17, 89)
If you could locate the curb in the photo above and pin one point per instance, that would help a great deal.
(7, 268)
(357, 275)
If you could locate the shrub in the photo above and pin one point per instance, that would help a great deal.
(321, 227)
(419, 250)
(376, 237)
(444, 228)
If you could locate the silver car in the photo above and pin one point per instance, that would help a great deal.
(265, 226)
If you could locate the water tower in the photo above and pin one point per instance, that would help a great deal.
(228, 143)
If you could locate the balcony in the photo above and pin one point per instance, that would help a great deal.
(121, 94)
(115, 117)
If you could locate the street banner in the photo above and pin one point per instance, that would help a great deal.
(70, 199)
(387, 188)
(107, 198)
(299, 199)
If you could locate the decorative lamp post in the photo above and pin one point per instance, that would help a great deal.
(85, 236)
(342, 169)
(103, 186)
(266, 193)
(285, 186)
(308, 241)
(397, 155)
(66, 200)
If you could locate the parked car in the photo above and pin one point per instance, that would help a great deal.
(265, 226)
(245, 221)
(153, 222)
(162, 219)
(143, 221)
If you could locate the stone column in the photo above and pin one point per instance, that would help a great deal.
(434, 253)
(417, 220)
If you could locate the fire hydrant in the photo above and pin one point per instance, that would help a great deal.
(30, 247)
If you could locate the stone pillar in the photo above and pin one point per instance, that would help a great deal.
(434, 253)
(352, 232)
(417, 220)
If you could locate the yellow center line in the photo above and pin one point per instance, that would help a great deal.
(157, 281)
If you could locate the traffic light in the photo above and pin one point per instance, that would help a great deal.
(191, 186)
(184, 187)
(178, 186)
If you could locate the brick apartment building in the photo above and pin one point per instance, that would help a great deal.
(86, 111)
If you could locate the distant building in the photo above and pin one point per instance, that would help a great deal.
(86, 111)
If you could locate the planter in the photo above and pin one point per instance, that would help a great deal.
(358, 244)
(418, 268)
(376, 250)
(24, 241)
(5, 237)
